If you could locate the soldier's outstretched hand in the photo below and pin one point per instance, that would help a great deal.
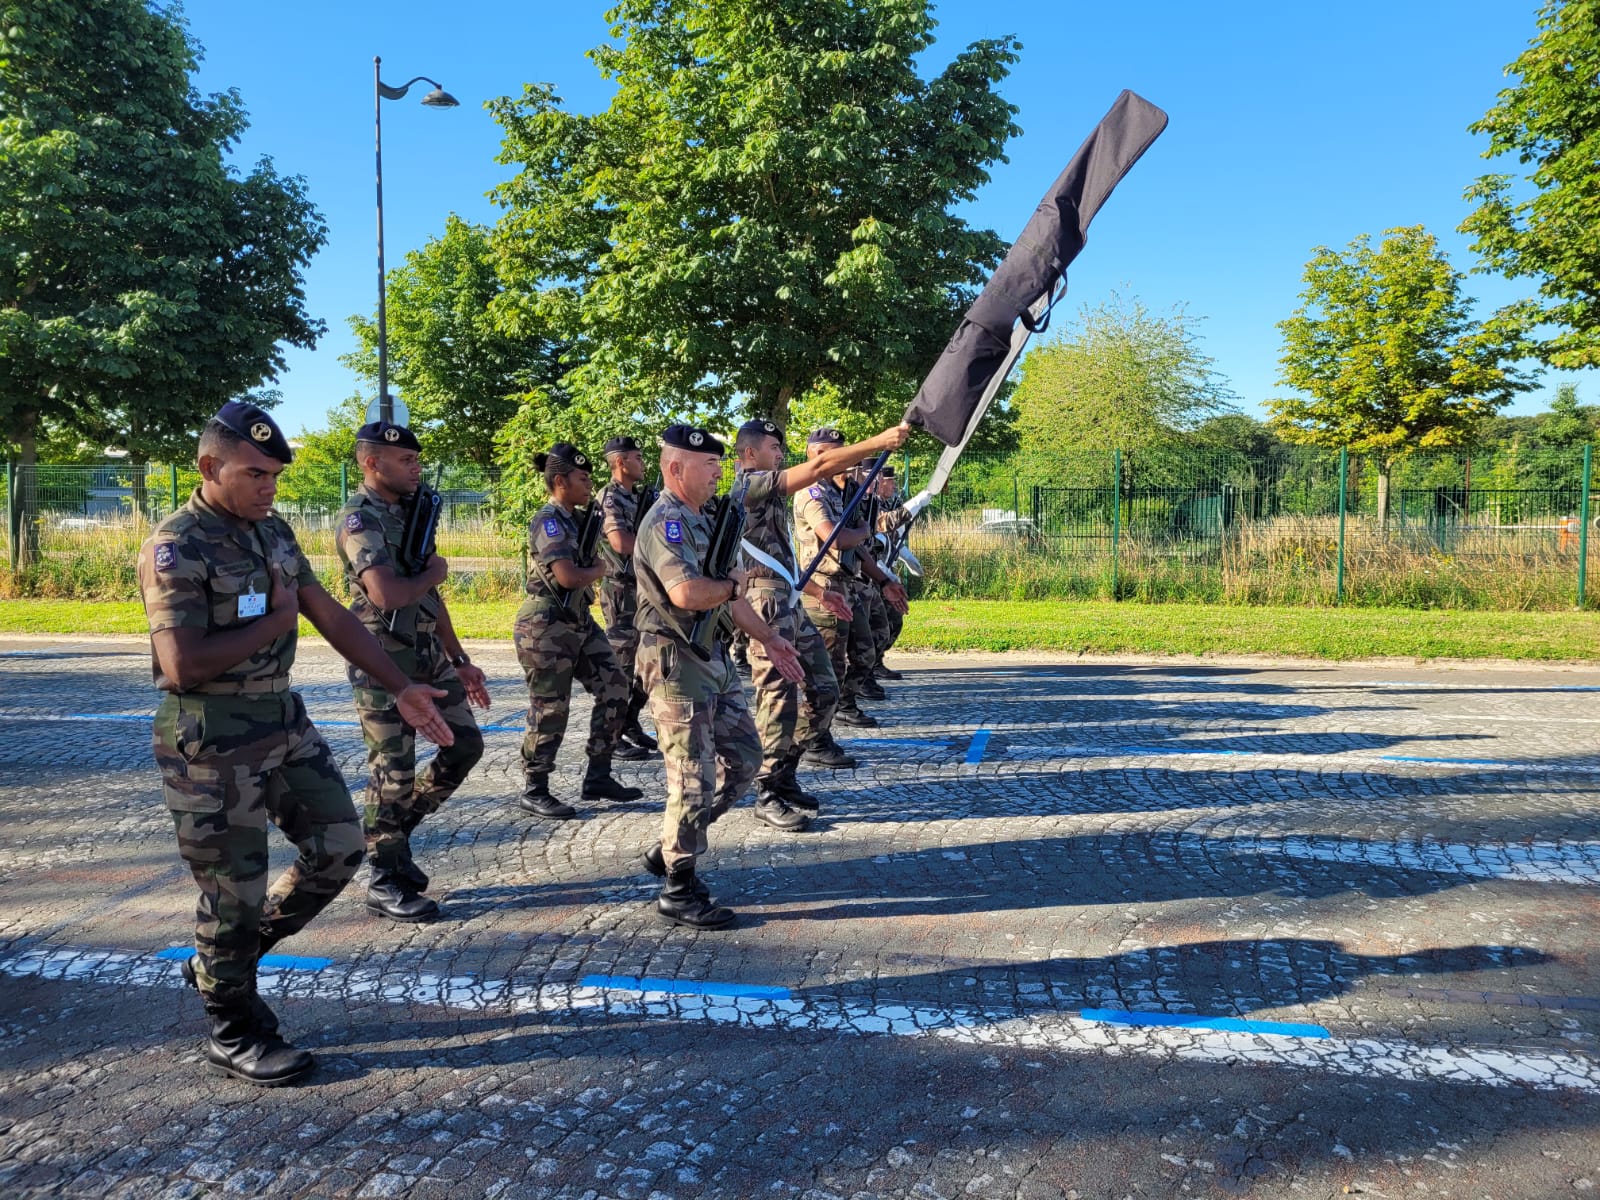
(892, 438)
(785, 657)
(895, 596)
(417, 707)
(476, 683)
(837, 605)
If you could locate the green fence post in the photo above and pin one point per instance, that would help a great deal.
(1583, 521)
(344, 483)
(174, 488)
(1344, 488)
(11, 512)
(1116, 515)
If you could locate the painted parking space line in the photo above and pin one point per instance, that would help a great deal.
(682, 987)
(980, 743)
(1034, 1031)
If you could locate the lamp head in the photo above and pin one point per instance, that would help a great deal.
(439, 98)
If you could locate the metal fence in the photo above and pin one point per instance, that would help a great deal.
(1195, 508)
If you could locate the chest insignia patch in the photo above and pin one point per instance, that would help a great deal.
(166, 556)
(552, 527)
(353, 522)
(674, 531)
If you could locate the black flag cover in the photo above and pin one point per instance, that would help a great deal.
(951, 394)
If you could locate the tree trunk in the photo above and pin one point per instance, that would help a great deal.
(27, 501)
(1384, 467)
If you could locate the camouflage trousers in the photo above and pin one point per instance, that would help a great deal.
(835, 635)
(619, 605)
(880, 619)
(861, 651)
(398, 798)
(230, 764)
(554, 648)
(896, 624)
(789, 713)
(707, 738)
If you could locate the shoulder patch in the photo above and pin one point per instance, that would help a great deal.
(815, 491)
(353, 522)
(552, 527)
(673, 531)
(166, 556)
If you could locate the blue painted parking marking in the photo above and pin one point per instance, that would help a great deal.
(1116, 1016)
(683, 987)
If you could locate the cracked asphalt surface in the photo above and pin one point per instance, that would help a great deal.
(1092, 930)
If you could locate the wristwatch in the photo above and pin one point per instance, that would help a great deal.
(459, 660)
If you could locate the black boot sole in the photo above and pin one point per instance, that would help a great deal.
(216, 1068)
(419, 919)
(669, 919)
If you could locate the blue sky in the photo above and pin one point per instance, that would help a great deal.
(1292, 126)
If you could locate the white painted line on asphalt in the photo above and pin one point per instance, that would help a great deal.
(1034, 1031)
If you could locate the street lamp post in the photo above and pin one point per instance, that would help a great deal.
(438, 98)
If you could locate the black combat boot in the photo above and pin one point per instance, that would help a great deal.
(771, 810)
(849, 714)
(536, 799)
(244, 1043)
(655, 862)
(389, 896)
(787, 788)
(410, 874)
(825, 752)
(632, 732)
(871, 688)
(598, 784)
(884, 672)
(680, 903)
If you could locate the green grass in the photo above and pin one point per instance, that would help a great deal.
(1094, 627)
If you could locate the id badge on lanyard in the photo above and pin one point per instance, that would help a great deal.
(254, 603)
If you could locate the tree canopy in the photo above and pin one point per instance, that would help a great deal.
(1550, 119)
(1120, 377)
(1387, 356)
(143, 282)
(461, 372)
(766, 206)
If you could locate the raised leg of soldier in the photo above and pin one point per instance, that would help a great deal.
(547, 651)
(737, 747)
(822, 698)
(228, 764)
(398, 800)
(685, 714)
(835, 634)
(597, 671)
(777, 712)
(619, 606)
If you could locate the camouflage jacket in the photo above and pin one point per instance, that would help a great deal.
(369, 535)
(204, 569)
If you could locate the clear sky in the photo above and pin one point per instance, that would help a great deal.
(1292, 126)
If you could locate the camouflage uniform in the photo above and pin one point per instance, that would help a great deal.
(710, 744)
(823, 503)
(238, 750)
(619, 599)
(892, 516)
(557, 644)
(787, 714)
(370, 534)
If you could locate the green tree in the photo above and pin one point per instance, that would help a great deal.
(1551, 119)
(766, 206)
(143, 282)
(1568, 424)
(1120, 378)
(1387, 357)
(461, 372)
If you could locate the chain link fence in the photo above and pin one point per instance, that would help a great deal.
(1512, 529)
